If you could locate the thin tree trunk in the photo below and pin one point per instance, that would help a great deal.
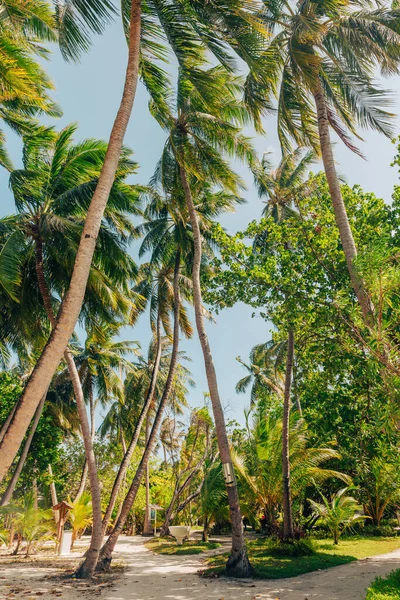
(53, 494)
(51, 356)
(87, 568)
(138, 427)
(108, 547)
(8, 420)
(238, 564)
(35, 494)
(339, 208)
(288, 532)
(85, 470)
(22, 459)
(147, 529)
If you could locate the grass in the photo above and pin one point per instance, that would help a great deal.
(385, 588)
(169, 546)
(326, 555)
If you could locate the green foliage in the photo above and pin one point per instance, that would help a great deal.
(385, 588)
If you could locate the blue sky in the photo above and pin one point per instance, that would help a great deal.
(89, 94)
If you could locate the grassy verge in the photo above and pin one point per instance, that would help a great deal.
(385, 588)
(169, 546)
(268, 566)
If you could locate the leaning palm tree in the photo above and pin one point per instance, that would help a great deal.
(203, 128)
(320, 63)
(52, 193)
(102, 364)
(187, 28)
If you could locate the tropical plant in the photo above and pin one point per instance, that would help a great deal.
(259, 463)
(80, 515)
(32, 524)
(339, 513)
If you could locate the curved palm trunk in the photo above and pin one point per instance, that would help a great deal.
(88, 567)
(238, 564)
(339, 208)
(108, 547)
(135, 437)
(52, 354)
(288, 532)
(14, 479)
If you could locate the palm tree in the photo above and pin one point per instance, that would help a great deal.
(186, 28)
(171, 387)
(263, 371)
(284, 187)
(52, 193)
(101, 366)
(154, 288)
(203, 125)
(320, 63)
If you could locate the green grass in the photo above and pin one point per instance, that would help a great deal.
(327, 555)
(385, 588)
(169, 546)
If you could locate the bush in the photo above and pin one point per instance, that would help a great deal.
(381, 531)
(294, 548)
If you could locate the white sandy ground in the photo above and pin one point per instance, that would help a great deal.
(149, 576)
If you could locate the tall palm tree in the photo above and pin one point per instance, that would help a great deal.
(170, 389)
(154, 288)
(186, 28)
(320, 63)
(284, 187)
(203, 128)
(52, 193)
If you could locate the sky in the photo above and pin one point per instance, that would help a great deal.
(89, 94)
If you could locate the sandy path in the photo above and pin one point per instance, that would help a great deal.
(154, 577)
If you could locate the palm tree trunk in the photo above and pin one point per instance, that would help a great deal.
(87, 568)
(238, 564)
(53, 494)
(108, 547)
(138, 427)
(14, 479)
(147, 529)
(339, 208)
(288, 532)
(85, 470)
(51, 356)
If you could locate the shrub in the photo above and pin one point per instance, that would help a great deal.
(294, 548)
(379, 531)
(385, 588)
